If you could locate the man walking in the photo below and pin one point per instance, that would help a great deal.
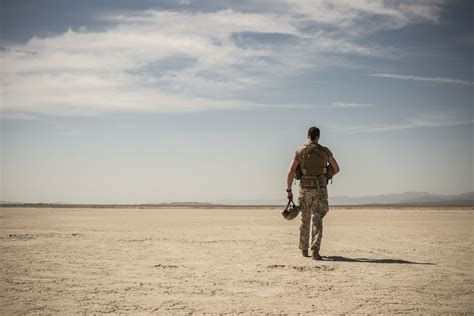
(314, 161)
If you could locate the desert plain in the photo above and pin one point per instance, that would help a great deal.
(237, 260)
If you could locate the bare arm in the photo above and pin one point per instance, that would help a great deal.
(334, 165)
(291, 174)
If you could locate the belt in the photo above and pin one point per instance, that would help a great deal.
(312, 182)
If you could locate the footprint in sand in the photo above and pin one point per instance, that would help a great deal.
(301, 268)
(165, 266)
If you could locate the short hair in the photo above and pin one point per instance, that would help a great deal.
(313, 132)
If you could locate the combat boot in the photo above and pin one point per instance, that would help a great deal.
(304, 252)
(316, 255)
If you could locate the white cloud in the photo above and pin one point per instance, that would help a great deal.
(350, 15)
(426, 79)
(183, 61)
(419, 121)
(18, 116)
(350, 105)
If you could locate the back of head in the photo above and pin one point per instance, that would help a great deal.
(313, 133)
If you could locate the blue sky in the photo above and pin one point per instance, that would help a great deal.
(152, 101)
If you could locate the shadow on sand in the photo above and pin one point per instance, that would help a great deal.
(344, 259)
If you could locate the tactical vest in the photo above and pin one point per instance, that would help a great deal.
(314, 161)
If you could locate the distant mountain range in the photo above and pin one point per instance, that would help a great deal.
(406, 198)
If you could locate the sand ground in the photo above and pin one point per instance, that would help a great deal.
(234, 260)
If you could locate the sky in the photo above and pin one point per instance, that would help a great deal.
(158, 101)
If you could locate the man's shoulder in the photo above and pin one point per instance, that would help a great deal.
(302, 149)
(323, 147)
(326, 149)
(308, 147)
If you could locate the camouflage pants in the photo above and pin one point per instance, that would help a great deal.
(313, 205)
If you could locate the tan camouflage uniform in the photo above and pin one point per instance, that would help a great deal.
(313, 205)
(313, 199)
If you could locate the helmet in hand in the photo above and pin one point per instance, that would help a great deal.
(291, 210)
